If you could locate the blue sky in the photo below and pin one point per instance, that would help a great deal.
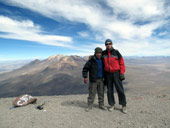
(31, 29)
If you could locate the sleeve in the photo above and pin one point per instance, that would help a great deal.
(121, 63)
(86, 68)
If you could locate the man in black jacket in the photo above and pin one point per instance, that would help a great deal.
(95, 68)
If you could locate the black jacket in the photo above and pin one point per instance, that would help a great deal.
(92, 67)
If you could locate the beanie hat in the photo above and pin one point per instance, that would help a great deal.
(108, 40)
(98, 50)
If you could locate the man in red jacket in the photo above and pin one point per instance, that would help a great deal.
(114, 68)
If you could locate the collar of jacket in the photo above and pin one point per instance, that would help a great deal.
(110, 49)
(95, 58)
(92, 57)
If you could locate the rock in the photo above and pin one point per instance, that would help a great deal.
(149, 126)
(161, 96)
(140, 98)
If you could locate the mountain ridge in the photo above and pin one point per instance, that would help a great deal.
(62, 74)
(45, 75)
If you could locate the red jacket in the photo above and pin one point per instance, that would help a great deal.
(113, 61)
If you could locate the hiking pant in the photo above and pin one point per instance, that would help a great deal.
(113, 79)
(93, 87)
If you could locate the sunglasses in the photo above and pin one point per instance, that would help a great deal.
(109, 44)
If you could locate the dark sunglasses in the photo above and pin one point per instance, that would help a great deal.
(108, 44)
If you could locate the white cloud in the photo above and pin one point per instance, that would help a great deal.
(98, 18)
(163, 33)
(138, 8)
(82, 53)
(79, 11)
(130, 23)
(85, 50)
(144, 47)
(84, 34)
(27, 30)
(130, 48)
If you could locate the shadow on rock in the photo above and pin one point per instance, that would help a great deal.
(76, 103)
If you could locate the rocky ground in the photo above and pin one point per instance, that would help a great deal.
(145, 110)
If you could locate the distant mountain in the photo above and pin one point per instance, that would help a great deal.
(55, 75)
(7, 66)
(61, 74)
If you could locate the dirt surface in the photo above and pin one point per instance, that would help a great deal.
(145, 110)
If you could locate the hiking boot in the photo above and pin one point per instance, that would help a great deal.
(103, 107)
(124, 110)
(88, 108)
(111, 108)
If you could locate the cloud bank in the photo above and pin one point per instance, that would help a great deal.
(27, 30)
(135, 26)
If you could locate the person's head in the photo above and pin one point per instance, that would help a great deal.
(108, 44)
(98, 52)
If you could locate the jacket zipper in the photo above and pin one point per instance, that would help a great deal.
(108, 61)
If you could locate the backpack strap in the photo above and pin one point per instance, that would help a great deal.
(118, 54)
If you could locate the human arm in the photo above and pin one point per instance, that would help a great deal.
(85, 71)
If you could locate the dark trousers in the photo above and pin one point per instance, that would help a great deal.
(113, 79)
(94, 87)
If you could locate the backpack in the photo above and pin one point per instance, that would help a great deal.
(24, 100)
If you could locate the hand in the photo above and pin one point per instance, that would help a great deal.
(85, 80)
(122, 77)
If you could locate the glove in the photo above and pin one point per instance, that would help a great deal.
(122, 77)
(85, 80)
